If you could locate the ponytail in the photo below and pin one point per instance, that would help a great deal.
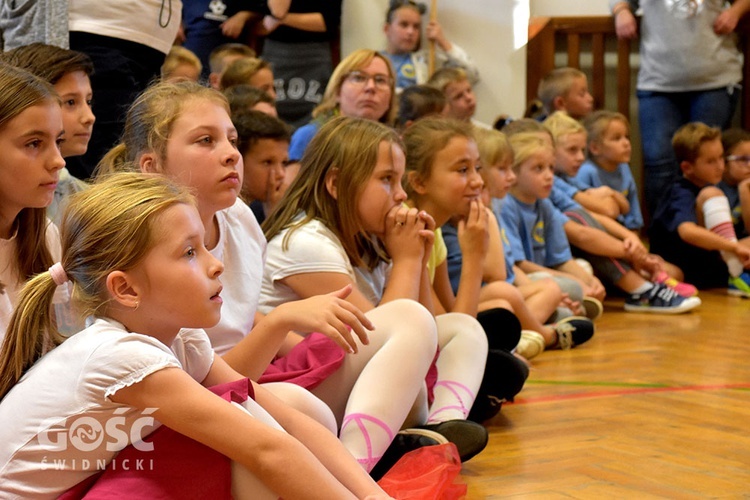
(31, 331)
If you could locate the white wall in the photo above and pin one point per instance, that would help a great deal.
(493, 32)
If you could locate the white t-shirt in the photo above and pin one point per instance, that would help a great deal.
(242, 249)
(13, 284)
(59, 425)
(313, 248)
(153, 23)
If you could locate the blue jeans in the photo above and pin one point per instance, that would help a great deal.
(660, 114)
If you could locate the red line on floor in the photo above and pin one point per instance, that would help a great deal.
(625, 392)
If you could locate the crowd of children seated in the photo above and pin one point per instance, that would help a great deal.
(300, 274)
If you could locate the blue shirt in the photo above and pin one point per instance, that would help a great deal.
(562, 194)
(536, 232)
(403, 67)
(301, 138)
(620, 180)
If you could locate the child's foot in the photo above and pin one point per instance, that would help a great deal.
(469, 437)
(740, 286)
(405, 441)
(572, 331)
(684, 289)
(530, 345)
(661, 299)
(593, 308)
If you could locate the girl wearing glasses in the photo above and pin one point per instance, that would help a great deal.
(736, 180)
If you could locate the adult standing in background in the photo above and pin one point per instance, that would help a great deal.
(298, 46)
(690, 70)
(25, 22)
(127, 40)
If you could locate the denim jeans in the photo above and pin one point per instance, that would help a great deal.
(660, 114)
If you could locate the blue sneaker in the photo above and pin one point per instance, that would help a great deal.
(660, 299)
(740, 286)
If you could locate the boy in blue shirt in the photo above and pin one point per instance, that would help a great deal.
(692, 224)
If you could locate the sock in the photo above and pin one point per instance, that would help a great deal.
(718, 218)
(645, 287)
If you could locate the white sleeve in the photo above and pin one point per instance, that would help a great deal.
(457, 57)
(193, 349)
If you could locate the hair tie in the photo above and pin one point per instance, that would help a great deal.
(58, 274)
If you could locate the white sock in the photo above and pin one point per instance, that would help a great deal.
(718, 219)
(645, 287)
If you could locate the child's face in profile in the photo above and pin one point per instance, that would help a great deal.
(263, 80)
(737, 164)
(535, 177)
(383, 190)
(499, 178)
(570, 153)
(265, 169)
(614, 147)
(461, 100)
(578, 102)
(708, 167)
(402, 33)
(78, 120)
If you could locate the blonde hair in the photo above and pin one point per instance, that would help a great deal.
(688, 139)
(149, 122)
(351, 147)
(241, 71)
(556, 83)
(525, 145)
(596, 124)
(493, 146)
(178, 56)
(424, 140)
(216, 57)
(523, 125)
(19, 91)
(445, 76)
(355, 61)
(560, 123)
(110, 226)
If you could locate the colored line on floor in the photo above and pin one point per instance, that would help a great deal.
(625, 392)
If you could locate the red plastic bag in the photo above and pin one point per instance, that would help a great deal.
(427, 473)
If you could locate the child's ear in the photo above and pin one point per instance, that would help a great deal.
(149, 163)
(332, 177)
(594, 148)
(121, 289)
(558, 103)
(686, 167)
(416, 182)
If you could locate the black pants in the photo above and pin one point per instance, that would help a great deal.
(122, 70)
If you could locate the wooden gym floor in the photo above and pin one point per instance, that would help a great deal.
(654, 406)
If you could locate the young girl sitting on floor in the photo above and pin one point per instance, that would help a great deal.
(132, 246)
(342, 222)
(184, 132)
(31, 130)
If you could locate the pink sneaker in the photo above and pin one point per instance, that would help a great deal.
(683, 289)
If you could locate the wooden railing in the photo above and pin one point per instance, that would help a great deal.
(546, 32)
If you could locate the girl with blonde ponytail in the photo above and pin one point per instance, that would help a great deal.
(132, 247)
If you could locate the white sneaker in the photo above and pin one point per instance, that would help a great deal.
(531, 344)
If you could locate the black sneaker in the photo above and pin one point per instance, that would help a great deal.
(662, 300)
(502, 328)
(405, 441)
(469, 437)
(573, 331)
(504, 376)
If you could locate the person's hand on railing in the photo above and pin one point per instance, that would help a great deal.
(626, 26)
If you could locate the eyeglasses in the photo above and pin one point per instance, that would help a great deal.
(741, 159)
(360, 79)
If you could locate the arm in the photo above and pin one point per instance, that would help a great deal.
(494, 262)
(701, 237)
(473, 237)
(594, 241)
(726, 22)
(330, 314)
(599, 200)
(743, 188)
(626, 26)
(592, 287)
(453, 54)
(284, 464)
(233, 26)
